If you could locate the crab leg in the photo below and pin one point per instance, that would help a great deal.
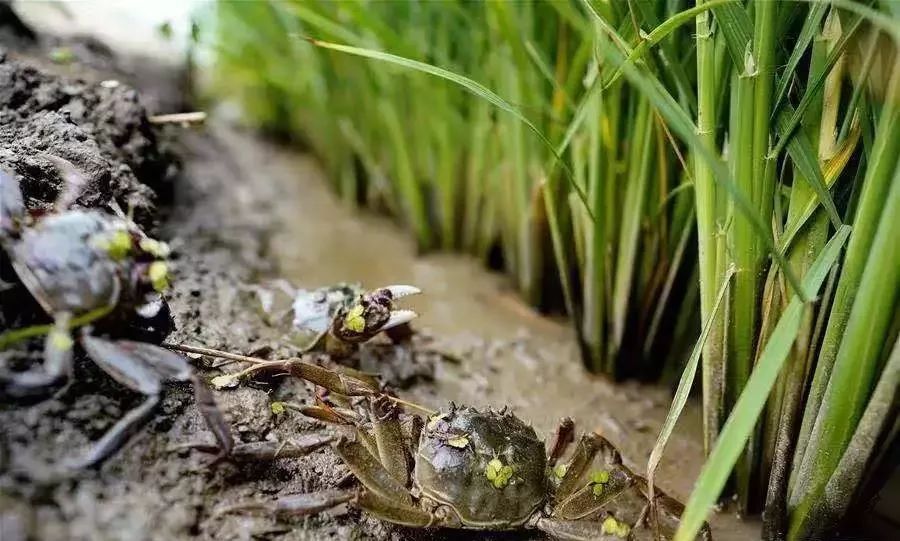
(663, 516)
(270, 450)
(389, 438)
(115, 437)
(370, 472)
(296, 504)
(330, 414)
(132, 365)
(576, 530)
(395, 511)
(562, 438)
(401, 316)
(590, 499)
(316, 502)
(334, 381)
(130, 372)
(313, 502)
(588, 446)
(172, 366)
(57, 367)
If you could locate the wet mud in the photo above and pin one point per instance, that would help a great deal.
(239, 211)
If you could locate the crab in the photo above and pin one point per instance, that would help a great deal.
(335, 319)
(82, 266)
(465, 468)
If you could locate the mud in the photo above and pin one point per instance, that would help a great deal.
(100, 128)
(242, 211)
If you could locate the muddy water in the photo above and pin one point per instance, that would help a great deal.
(508, 354)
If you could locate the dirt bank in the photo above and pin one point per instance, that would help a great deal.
(240, 211)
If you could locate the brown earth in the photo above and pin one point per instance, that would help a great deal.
(240, 211)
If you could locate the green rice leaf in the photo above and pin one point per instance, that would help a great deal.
(684, 385)
(749, 406)
(681, 124)
(664, 30)
(807, 33)
(474, 87)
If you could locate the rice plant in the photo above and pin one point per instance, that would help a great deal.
(760, 160)
(571, 188)
(600, 147)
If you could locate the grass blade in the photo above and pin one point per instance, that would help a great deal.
(662, 31)
(684, 386)
(807, 33)
(474, 87)
(876, 186)
(746, 411)
(855, 366)
(832, 171)
(681, 124)
(851, 468)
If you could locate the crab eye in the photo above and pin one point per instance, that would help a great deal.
(158, 273)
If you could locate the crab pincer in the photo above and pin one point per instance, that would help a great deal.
(336, 319)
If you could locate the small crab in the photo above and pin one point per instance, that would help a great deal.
(465, 468)
(335, 319)
(81, 266)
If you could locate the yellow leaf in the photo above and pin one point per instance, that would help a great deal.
(226, 381)
(459, 442)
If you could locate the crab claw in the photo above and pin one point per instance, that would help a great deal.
(400, 291)
(399, 317)
(373, 313)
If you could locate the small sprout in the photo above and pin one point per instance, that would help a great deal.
(354, 319)
(460, 442)
(225, 381)
(493, 469)
(498, 473)
(277, 408)
(157, 249)
(598, 482)
(62, 55)
(560, 471)
(600, 477)
(158, 272)
(611, 526)
(434, 420)
(117, 245)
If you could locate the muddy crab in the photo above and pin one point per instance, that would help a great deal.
(465, 468)
(81, 266)
(335, 319)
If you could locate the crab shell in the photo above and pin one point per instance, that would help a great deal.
(64, 264)
(314, 310)
(453, 455)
